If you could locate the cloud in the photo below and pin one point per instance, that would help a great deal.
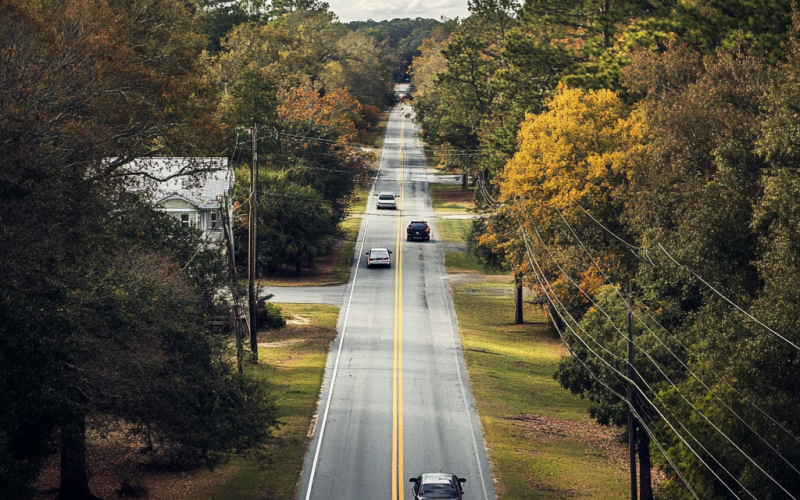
(363, 10)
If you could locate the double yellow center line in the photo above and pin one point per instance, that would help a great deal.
(397, 368)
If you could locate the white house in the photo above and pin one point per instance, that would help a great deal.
(195, 200)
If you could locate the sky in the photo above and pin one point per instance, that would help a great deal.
(380, 10)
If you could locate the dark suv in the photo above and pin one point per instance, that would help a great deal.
(438, 485)
(418, 229)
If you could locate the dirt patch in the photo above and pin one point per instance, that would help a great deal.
(281, 343)
(455, 195)
(298, 320)
(109, 459)
(590, 434)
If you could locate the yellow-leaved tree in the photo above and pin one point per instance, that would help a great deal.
(573, 163)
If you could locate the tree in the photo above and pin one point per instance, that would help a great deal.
(577, 155)
(320, 133)
(399, 39)
(296, 223)
(360, 71)
(596, 374)
(88, 80)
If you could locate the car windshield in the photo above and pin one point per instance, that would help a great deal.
(378, 254)
(386, 197)
(439, 491)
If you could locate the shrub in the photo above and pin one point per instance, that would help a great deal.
(270, 316)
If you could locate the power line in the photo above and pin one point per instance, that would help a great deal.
(532, 259)
(658, 367)
(608, 280)
(696, 275)
(679, 360)
(729, 301)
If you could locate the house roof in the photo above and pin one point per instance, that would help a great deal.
(176, 196)
(201, 189)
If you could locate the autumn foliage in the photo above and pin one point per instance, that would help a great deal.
(333, 115)
(654, 144)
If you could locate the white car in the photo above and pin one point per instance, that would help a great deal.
(387, 200)
(379, 257)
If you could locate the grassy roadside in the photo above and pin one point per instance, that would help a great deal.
(343, 256)
(450, 198)
(541, 442)
(451, 204)
(542, 445)
(380, 131)
(292, 363)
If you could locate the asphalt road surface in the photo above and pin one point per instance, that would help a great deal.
(396, 400)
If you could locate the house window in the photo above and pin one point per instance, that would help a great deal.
(214, 221)
(185, 220)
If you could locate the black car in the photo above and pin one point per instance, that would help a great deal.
(438, 485)
(418, 229)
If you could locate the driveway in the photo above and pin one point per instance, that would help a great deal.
(331, 295)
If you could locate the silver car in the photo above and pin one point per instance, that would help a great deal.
(438, 485)
(387, 200)
(379, 257)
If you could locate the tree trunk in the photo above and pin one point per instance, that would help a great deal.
(518, 320)
(464, 179)
(645, 481)
(555, 320)
(74, 473)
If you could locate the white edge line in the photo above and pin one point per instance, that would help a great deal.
(439, 256)
(344, 329)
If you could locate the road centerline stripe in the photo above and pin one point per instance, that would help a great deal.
(363, 236)
(400, 438)
(397, 368)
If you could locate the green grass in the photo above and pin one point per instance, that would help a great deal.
(454, 230)
(360, 198)
(349, 228)
(380, 132)
(460, 263)
(293, 370)
(432, 158)
(510, 368)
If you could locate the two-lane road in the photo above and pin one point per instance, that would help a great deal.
(396, 400)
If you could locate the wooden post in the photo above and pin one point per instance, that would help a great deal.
(518, 320)
(631, 395)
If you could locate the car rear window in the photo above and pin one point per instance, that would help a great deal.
(421, 225)
(386, 197)
(378, 255)
(439, 491)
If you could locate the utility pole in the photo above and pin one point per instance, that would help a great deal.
(251, 250)
(631, 394)
(518, 320)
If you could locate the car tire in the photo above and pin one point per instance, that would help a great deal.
(427, 238)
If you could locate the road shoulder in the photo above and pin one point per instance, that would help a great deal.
(540, 440)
